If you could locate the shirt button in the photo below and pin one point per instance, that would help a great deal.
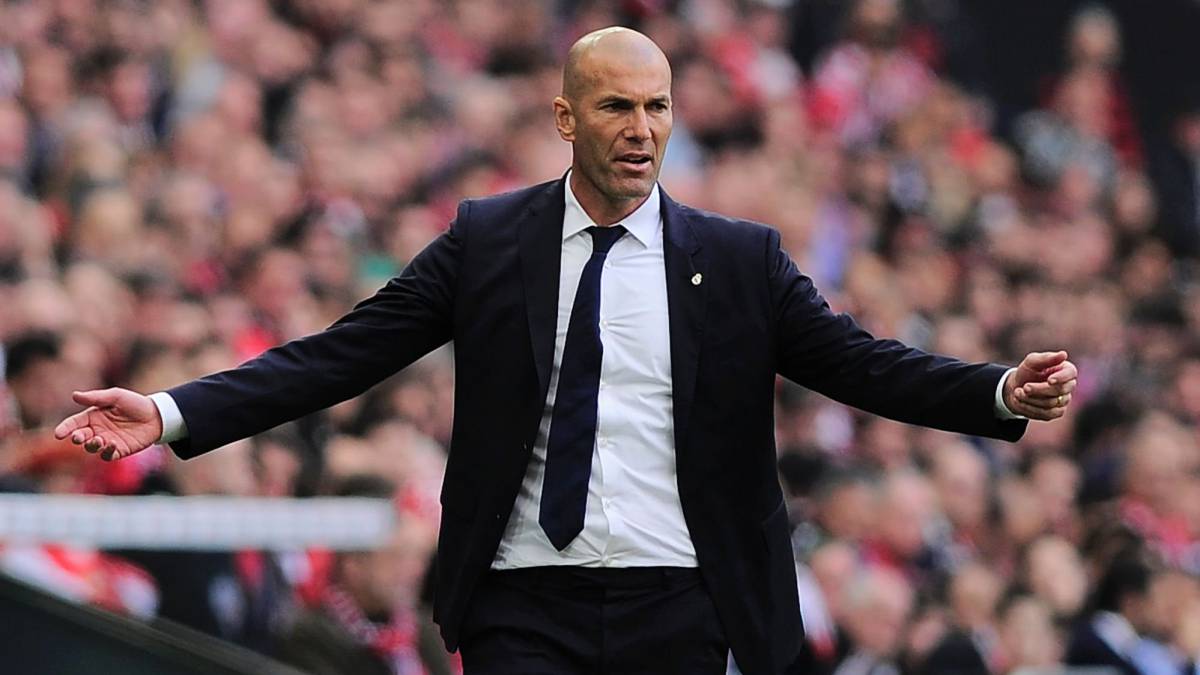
(602, 441)
(603, 384)
(604, 324)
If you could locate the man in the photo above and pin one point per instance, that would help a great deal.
(1129, 623)
(877, 605)
(610, 501)
(969, 647)
(367, 621)
(33, 368)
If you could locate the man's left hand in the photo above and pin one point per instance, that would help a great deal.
(1041, 387)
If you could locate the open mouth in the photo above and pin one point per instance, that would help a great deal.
(636, 161)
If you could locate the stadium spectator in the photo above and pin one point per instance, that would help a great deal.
(970, 647)
(1027, 638)
(877, 605)
(34, 374)
(1126, 619)
(367, 620)
(1055, 575)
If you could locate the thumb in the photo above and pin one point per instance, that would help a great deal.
(1039, 361)
(101, 398)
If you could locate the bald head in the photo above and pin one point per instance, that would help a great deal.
(594, 54)
(615, 111)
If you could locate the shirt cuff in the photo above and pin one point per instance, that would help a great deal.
(1002, 411)
(174, 428)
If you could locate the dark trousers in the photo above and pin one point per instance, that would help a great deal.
(584, 621)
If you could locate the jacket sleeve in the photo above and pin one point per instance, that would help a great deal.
(403, 321)
(831, 354)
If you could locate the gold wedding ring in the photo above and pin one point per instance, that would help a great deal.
(1059, 402)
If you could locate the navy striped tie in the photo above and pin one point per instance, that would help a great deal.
(573, 423)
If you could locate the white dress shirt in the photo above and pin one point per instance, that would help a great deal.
(633, 516)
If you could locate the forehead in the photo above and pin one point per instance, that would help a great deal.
(625, 76)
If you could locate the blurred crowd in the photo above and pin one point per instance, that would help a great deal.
(185, 183)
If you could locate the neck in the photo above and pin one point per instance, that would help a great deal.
(603, 210)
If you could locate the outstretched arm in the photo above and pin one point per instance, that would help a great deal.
(831, 354)
(406, 319)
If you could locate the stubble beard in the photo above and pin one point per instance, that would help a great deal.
(616, 189)
(622, 188)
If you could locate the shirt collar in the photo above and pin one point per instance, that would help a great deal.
(642, 223)
(1116, 632)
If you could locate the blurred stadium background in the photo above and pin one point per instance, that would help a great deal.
(184, 183)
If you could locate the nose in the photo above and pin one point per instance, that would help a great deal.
(638, 128)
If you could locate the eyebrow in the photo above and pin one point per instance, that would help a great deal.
(615, 98)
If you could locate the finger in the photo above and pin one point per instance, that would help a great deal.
(1044, 415)
(1047, 403)
(79, 436)
(65, 427)
(108, 449)
(1039, 361)
(101, 398)
(1045, 389)
(1066, 373)
(116, 450)
(94, 444)
(1038, 403)
(1037, 412)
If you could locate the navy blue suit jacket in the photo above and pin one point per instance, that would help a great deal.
(490, 285)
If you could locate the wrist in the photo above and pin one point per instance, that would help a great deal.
(1009, 394)
(1005, 397)
(158, 424)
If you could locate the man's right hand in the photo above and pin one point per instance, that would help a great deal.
(117, 423)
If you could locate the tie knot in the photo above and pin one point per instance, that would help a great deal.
(603, 238)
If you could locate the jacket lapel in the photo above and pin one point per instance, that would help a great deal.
(540, 245)
(687, 289)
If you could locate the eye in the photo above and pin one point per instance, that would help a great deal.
(617, 105)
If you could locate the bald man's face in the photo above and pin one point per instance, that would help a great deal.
(618, 119)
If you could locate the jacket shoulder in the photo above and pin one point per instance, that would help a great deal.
(506, 204)
(726, 230)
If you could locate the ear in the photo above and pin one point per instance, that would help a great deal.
(564, 119)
